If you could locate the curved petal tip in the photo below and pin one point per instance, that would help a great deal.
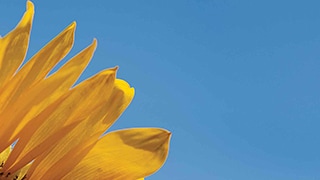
(30, 5)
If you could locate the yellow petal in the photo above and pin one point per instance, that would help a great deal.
(4, 155)
(43, 61)
(34, 100)
(67, 75)
(52, 124)
(13, 46)
(86, 133)
(21, 174)
(125, 154)
(37, 68)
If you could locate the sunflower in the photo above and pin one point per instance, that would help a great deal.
(52, 128)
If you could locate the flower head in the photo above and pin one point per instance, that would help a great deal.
(57, 126)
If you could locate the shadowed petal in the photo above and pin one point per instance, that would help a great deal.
(124, 154)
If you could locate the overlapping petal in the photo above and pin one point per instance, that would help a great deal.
(24, 91)
(37, 98)
(38, 66)
(58, 126)
(88, 131)
(45, 129)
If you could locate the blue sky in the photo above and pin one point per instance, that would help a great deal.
(236, 81)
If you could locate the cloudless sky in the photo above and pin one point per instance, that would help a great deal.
(236, 81)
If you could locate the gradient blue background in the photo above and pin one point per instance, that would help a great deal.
(236, 81)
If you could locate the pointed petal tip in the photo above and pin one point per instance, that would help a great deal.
(74, 23)
(72, 26)
(30, 5)
(94, 43)
(108, 72)
(169, 133)
(115, 68)
(69, 32)
(163, 134)
(166, 132)
(28, 15)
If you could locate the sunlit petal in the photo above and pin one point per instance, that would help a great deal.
(52, 128)
(38, 66)
(34, 100)
(13, 46)
(99, 120)
(38, 135)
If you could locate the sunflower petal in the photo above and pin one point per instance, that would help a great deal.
(4, 155)
(13, 46)
(43, 61)
(99, 120)
(36, 137)
(67, 75)
(125, 154)
(21, 174)
(56, 127)
(32, 102)
(38, 66)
